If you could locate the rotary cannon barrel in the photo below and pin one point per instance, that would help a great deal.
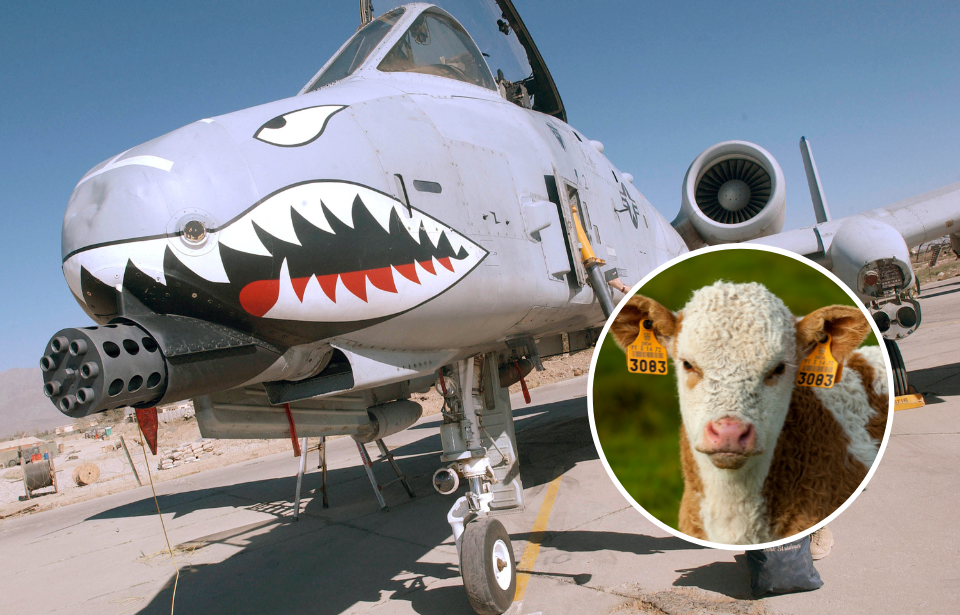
(146, 360)
(91, 369)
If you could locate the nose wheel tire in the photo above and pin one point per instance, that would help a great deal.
(899, 369)
(488, 567)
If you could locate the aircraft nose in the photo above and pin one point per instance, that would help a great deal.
(177, 186)
(149, 189)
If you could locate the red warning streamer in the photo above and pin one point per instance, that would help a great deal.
(293, 431)
(523, 383)
(149, 423)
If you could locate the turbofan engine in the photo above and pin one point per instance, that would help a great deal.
(733, 191)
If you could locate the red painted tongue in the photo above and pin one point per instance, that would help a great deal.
(257, 298)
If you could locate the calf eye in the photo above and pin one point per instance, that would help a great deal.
(687, 366)
(772, 376)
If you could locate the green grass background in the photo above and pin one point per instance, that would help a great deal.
(638, 416)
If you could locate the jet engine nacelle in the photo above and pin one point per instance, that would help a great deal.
(872, 258)
(733, 191)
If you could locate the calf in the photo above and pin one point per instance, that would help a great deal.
(762, 458)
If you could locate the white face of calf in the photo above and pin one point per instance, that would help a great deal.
(735, 356)
(736, 349)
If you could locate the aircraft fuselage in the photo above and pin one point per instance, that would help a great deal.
(232, 221)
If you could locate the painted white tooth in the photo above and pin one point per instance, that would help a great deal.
(288, 303)
(241, 236)
(349, 306)
(433, 233)
(339, 197)
(456, 240)
(207, 265)
(313, 295)
(423, 275)
(273, 216)
(287, 282)
(108, 263)
(306, 200)
(147, 256)
(442, 270)
(404, 213)
(412, 224)
(379, 206)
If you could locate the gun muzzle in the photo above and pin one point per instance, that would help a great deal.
(160, 359)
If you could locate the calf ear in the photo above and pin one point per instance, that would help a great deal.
(847, 326)
(626, 326)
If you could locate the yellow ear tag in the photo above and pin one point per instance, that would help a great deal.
(819, 369)
(647, 355)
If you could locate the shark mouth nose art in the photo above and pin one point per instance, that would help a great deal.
(320, 251)
(345, 253)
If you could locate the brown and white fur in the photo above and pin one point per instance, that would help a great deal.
(762, 458)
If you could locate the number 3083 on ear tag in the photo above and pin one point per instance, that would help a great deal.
(646, 355)
(819, 369)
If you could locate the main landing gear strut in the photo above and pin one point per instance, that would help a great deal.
(480, 445)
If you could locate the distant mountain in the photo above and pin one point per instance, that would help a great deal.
(23, 406)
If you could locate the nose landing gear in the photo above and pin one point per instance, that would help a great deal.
(479, 444)
(488, 567)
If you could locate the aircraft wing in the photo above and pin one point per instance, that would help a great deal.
(924, 217)
(919, 219)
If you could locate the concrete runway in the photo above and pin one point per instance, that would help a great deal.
(897, 547)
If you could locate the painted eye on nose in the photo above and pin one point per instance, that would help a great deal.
(297, 127)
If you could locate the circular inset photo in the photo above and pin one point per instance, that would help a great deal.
(740, 397)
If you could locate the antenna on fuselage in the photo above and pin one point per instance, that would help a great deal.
(820, 208)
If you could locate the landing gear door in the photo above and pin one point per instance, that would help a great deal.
(499, 438)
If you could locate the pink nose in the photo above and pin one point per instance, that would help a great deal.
(731, 436)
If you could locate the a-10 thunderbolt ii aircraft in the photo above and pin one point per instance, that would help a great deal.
(419, 215)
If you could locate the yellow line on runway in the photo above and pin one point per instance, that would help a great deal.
(525, 567)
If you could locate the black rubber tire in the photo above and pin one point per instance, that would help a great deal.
(12, 462)
(477, 544)
(899, 369)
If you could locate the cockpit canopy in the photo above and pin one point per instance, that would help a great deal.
(435, 44)
(429, 40)
(357, 49)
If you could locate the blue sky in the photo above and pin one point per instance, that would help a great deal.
(874, 86)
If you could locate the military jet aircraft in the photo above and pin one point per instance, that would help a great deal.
(420, 214)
